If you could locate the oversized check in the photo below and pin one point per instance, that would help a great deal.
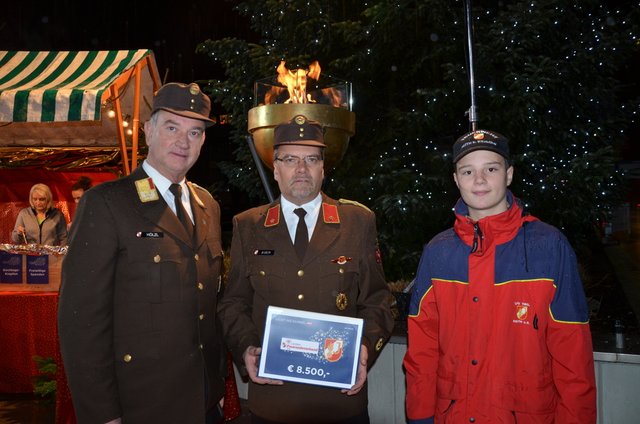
(312, 348)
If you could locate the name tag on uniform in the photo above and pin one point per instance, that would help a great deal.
(263, 252)
(149, 234)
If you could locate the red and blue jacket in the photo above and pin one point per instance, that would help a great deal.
(498, 326)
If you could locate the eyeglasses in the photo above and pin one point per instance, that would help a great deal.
(294, 161)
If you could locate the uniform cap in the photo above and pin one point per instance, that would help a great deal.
(299, 131)
(185, 100)
(480, 140)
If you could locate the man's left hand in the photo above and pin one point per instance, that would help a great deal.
(361, 377)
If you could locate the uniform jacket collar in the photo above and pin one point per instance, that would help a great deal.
(158, 212)
(492, 230)
(327, 228)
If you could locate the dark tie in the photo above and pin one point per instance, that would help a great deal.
(302, 234)
(176, 189)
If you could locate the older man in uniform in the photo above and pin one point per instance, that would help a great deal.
(139, 334)
(310, 252)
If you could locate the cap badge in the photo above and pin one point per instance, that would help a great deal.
(194, 89)
(478, 136)
(299, 120)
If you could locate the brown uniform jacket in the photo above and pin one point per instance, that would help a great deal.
(265, 270)
(137, 311)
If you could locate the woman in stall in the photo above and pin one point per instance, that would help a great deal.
(40, 223)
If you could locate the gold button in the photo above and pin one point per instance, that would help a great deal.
(201, 347)
(341, 270)
(197, 257)
(156, 258)
(201, 317)
(262, 273)
(127, 358)
(300, 297)
(300, 273)
(200, 286)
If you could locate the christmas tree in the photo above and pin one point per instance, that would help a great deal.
(551, 75)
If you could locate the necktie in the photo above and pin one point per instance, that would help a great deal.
(302, 234)
(176, 189)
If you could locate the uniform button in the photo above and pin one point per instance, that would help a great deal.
(201, 347)
(156, 258)
(201, 317)
(262, 273)
(197, 257)
(341, 270)
(475, 298)
(474, 362)
(472, 420)
(300, 273)
(200, 286)
(127, 358)
(300, 297)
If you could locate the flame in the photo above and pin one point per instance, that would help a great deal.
(295, 82)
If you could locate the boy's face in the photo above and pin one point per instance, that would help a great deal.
(482, 177)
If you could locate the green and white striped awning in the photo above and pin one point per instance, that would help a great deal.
(59, 86)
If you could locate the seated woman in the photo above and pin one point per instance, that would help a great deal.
(41, 223)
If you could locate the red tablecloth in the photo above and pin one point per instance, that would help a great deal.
(28, 327)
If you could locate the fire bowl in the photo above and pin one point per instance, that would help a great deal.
(339, 125)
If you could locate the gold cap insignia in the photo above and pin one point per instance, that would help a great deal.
(379, 344)
(300, 119)
(194, 89)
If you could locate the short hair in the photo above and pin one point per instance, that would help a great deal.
(84, 183)
(43, 188)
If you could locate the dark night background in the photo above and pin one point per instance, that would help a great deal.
(173, 30)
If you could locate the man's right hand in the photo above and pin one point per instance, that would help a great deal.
(251, 358)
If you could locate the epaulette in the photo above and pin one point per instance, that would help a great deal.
(273, 216)
(193, 187)
(353, 202)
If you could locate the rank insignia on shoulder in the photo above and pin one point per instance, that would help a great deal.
(341, 260)
(273, 216)
(379, 344)
(192, 188)
(341, 301)
(330, 214)
(146, 190)
(353, 202)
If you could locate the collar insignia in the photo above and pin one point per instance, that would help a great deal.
(273, 216)
(146, 190)
(330, 214)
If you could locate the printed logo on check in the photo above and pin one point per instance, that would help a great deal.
(303, 346)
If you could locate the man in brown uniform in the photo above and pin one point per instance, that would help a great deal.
(139, 335)
(338, 273)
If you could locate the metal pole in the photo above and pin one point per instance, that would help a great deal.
(473, 112)
(260, 168)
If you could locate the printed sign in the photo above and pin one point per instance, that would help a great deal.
(312, 348)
